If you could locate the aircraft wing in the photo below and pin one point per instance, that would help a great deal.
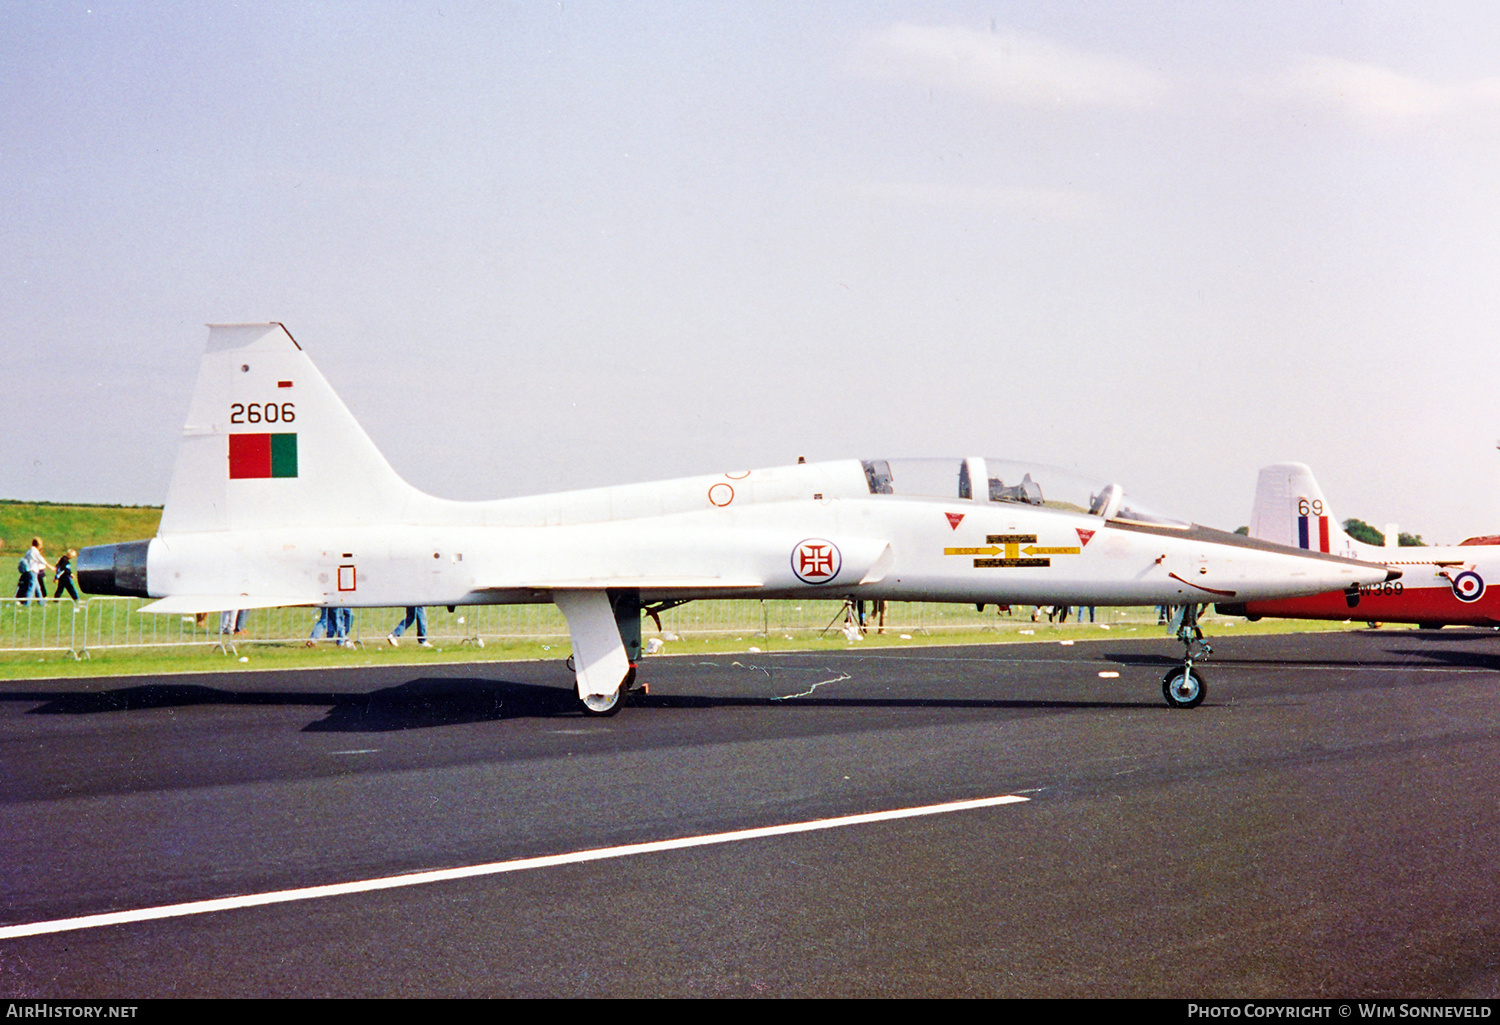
(731, 563)
(675, 583)
(195, 603)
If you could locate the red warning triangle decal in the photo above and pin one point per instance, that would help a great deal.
(954, 519)
(1083, 536)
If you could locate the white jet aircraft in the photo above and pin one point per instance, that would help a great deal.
(279, 498)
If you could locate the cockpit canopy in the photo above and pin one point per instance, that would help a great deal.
(1005, 480)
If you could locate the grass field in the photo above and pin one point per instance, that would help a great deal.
(70, 526)
(206, 655)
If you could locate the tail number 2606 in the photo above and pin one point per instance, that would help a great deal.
(262, 413)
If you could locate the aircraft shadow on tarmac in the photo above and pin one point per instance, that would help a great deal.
(448, 701)
(416, 704)
(1452, 658)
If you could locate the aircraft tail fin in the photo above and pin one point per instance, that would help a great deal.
(268, 443)
(1290, 510)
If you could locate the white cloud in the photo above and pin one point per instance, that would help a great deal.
(1009, 67)
(1384, 98)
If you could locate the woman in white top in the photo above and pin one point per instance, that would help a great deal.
(38, 566)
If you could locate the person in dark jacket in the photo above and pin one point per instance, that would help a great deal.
(63, 575)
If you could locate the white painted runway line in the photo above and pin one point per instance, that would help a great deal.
(204, 907)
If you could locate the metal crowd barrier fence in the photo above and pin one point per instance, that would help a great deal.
(51, 624)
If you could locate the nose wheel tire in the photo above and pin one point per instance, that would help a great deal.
(609, 704)
(1184, 687)
(603, 704)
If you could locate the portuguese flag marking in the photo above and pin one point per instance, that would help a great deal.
(262, 455)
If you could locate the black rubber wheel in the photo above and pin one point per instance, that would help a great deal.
(1184, 687)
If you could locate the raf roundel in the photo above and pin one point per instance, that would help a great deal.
(1468, 586)
(816, 561)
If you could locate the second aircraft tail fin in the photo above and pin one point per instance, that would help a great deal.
(1290, 510)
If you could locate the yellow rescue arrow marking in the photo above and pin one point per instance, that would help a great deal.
(1009, 546)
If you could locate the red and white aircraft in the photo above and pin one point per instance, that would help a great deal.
(1439, 585)
(279, 498)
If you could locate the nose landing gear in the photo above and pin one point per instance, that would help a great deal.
(1184, 686)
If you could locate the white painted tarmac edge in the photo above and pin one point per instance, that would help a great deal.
(204, 907)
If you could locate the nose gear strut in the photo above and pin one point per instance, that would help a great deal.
(1184, 686)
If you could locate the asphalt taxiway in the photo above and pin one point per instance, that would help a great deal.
(1325, 824)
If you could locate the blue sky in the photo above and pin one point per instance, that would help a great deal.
(540, 246)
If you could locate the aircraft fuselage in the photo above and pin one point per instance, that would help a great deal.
(754, 533)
